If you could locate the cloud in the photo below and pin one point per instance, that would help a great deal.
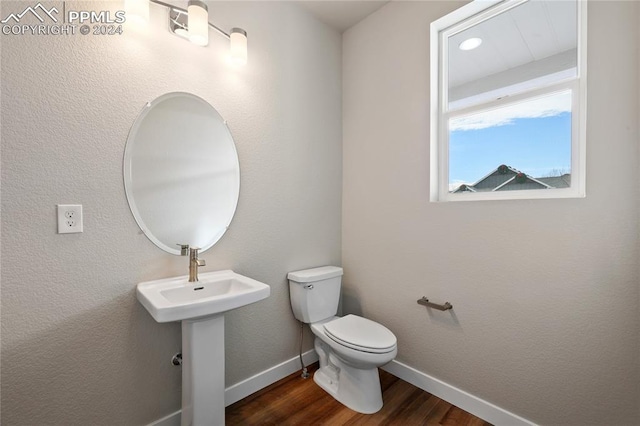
(546, 106)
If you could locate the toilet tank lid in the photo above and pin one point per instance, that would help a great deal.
(315, 274)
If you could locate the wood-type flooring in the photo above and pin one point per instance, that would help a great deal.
(296, 401)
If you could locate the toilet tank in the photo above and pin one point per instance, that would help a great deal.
(315, 293)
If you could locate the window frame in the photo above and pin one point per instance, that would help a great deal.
(459, 20)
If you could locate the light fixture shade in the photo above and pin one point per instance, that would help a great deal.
(238, 39)
(198, 22)
(136, 10)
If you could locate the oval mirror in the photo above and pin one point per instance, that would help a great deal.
(181, 172)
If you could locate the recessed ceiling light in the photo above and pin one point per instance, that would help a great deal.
(470, 43)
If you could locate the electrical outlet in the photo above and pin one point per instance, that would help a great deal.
(69, 218)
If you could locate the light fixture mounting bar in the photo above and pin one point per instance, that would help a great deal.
(182, 10)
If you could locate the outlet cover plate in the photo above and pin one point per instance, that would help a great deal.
(69, 218)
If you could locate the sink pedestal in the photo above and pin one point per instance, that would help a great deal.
(203, 372)
(201, 307)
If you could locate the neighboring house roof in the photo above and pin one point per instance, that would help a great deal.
(507, 178)
(563, 181)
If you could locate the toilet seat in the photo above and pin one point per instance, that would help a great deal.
(361, 334)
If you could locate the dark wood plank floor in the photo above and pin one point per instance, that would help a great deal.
(296, 401)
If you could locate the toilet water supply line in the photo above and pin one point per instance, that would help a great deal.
(305, 374)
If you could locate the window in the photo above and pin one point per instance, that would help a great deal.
(508, 101)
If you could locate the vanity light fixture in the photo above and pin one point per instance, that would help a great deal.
(470, 43)
(178, 23)
(192, 24)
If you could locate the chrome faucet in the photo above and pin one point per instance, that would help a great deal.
(194, 262)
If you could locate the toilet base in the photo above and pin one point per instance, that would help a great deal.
(356, 388)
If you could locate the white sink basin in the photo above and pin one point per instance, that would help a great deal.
(176, 299)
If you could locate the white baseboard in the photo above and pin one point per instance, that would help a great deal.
(263, 379)
(472, 404)
(235, 393)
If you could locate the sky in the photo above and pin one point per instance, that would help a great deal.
(532, 136)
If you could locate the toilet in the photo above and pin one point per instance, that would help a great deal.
(350, 348)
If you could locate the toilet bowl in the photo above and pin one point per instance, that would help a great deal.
(350, 348)
(348, 372)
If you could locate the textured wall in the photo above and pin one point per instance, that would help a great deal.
(545, 292)
(77, 348)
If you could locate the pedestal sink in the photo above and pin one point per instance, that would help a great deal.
(201, 306)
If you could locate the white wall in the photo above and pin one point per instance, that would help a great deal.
(546, 319)
(77, 348)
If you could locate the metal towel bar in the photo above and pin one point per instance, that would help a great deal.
(424, 301)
